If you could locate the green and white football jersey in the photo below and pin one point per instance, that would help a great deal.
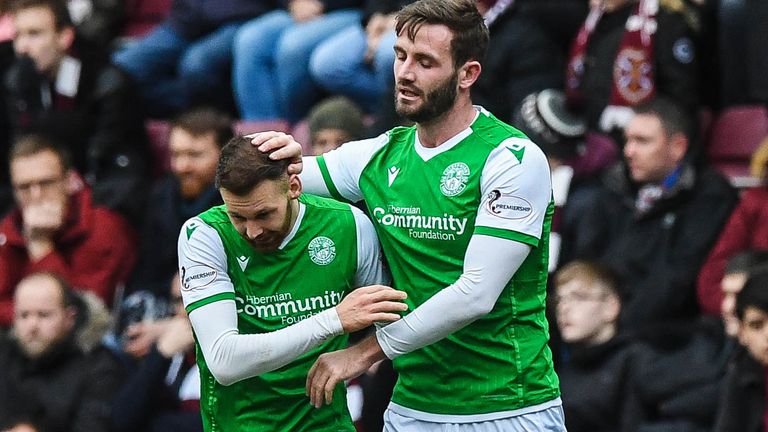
(324, 257)
(426, 204)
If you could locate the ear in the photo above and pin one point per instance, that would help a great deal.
(612, 308)
(294, 186)
(74, 183)
(469, 73)
(71, 316)
(678, 146)
(66, 37)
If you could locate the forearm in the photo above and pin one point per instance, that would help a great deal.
(473, 295)
(232, 357)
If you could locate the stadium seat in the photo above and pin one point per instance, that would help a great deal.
(141, 16)
(735, 134)
(158, 132)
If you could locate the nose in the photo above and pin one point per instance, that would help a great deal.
(35, 191)
(403, 71)
(253, 230)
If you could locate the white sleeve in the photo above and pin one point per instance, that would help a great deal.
(473, 295)
(232, 357)
(516, 189)
(370, 267)
(202, 265)
(208, 296)
(337, 173)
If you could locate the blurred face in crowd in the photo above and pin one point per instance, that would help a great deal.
(586, 312)
(753, 333)
(193, 161)
(731, 285)
(425, 77)
(41, 320)
(326, 140)
(265, 215)
(40, 178)
(37, 37)
(650, 154)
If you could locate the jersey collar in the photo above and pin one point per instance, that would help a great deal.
(427, 153)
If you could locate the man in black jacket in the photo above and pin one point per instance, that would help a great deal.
(655, 217)
(742, 405)
(47, 378)
(55, 88)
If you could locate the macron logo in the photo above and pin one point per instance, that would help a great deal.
(392, 173)
(243, 261)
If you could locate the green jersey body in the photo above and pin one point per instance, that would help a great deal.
(311, 273)
(426, 204)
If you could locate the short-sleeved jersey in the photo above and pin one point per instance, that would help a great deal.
(426, 204)
(313, 269)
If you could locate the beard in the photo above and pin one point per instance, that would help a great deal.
(434, 103)
(270, 241)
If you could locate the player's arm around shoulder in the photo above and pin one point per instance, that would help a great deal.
(372, 300)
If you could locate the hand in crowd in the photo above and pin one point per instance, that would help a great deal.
(177, 337)
(141, 336)
(281, 146)
(365, 306)
(305, 10)
(41, 222)
(377, 26)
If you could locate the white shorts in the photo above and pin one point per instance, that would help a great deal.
(548, 420)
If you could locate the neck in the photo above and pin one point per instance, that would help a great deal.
(435, 132)
(293, 207)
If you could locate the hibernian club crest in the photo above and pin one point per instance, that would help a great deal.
(322, 250)
(454, 179)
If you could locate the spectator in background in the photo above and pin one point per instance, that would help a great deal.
(527, 50)
(736, 273)
(56, 227)
(49, 381)
(596, 380)
(163, 391)
(627, 52)
(747, 229)
(743, 401)
(56, 88)
(576, 159)
(98, 22)
(656, 217)
(357, 62)
(271, 57)
(186, 60)
(333, 122)
(741, 36)
(195, 143)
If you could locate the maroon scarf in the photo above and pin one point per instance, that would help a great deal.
(633, 71)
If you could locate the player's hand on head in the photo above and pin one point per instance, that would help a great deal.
(367, 305)
(279, 145)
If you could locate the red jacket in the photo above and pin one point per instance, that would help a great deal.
(95, 251)
(747, 229)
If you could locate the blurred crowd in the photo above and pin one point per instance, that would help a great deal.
(653, 115)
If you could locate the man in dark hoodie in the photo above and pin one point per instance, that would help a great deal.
(49, 381)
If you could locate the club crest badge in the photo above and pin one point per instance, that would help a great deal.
(454, 179)
(322, 250)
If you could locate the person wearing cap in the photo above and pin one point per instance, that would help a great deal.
(576, 158)
(333, 122)
(656, 217)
